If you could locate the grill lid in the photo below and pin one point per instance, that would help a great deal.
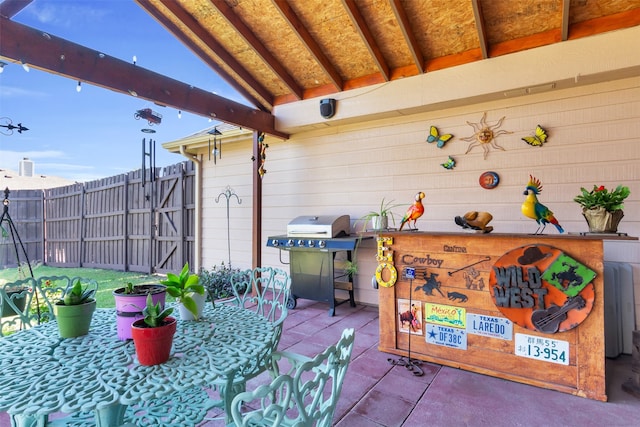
(321, 226)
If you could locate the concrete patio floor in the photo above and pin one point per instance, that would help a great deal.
(377, 393)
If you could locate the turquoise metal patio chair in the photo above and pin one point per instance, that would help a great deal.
(265, 291)
(16, 300)
(304, 394)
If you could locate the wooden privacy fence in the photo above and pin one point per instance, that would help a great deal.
(139, 221)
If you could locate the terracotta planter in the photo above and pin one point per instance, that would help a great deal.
(129, 306)
(602, 221)
(153, 345)
(74, 320)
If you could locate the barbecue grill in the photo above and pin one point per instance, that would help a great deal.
(312, 243)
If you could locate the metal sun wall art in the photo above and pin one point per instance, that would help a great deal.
(484, 135)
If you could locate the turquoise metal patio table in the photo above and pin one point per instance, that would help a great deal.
(41, 374)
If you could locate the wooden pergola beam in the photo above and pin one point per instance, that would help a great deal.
(367, 38)
(409, 36)
(55, 55)
(259, 48)
(309, 42)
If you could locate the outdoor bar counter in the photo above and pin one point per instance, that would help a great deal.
(525, 308)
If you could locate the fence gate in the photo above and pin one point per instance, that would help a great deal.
(173, 219)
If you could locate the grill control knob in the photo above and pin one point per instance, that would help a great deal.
(301, 242)
(311, 243)
(290, 242)
(275, 242)
(322, 244)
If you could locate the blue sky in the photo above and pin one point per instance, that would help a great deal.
(93, 134)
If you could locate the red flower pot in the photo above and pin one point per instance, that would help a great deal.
(153, 345)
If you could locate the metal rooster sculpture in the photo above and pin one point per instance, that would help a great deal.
(414, 212)
(532, 208)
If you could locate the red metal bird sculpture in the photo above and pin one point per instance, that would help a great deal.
(414, 212)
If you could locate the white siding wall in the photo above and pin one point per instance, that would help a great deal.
(594, 138)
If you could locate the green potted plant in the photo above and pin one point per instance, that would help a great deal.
(74, 311)
(153, 334)
(217, 281)
(131, 300)
(601, 208)
(187, 291)
(380, 218)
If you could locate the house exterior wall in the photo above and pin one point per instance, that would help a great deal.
(348, 167)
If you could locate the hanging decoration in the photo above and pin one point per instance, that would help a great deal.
(434, 136)
(7, 123)
(484, 135)
(449, 164)
(262, 149)
(538, 139)
(217, 148)
(149, 115)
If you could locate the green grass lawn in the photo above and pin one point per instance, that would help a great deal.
(108, 280)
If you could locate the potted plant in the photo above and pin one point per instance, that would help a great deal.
(602, 208)
(153, 334)
(187, 291)
(217, 281)
(130, 302)
(380, 218)
(75, 309)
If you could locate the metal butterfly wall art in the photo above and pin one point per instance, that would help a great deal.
(538, 139)
(434, 136)
(449, 164)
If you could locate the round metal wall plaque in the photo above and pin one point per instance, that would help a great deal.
(489, 180)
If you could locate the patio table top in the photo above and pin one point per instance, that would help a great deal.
(41, 373)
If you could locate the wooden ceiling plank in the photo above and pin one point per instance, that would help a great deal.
(10, 8)
(309, 42)
(480, 28)
(68, 59)
(409, 37)
(216, 47)
(258, 47)
(367, 37)
(565, 20)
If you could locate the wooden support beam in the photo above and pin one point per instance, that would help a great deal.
(58, 56)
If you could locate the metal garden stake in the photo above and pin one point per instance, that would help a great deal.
(228, 193)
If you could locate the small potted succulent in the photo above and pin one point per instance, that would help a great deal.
(188, 292)
(153, 334)
(131, 300)
(74, 311)
(601, 208)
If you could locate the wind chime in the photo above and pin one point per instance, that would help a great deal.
(217, 150)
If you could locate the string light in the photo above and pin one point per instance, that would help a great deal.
(2, 64)
(25, 66)
(79, 87)
(179, 114)
(135, 59)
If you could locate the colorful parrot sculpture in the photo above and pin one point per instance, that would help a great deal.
(532, 208)
(414, 212)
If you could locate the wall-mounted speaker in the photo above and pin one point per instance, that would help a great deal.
(327, 107)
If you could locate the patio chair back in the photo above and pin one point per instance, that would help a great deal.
(306, 394)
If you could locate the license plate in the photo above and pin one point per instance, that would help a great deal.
(446, 336)
(540, 348)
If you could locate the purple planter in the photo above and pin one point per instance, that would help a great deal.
(129, 306)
